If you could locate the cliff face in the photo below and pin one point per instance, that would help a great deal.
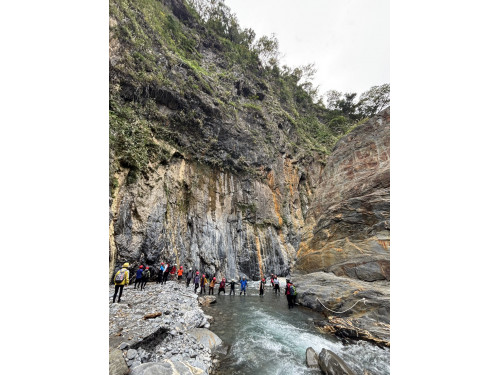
(215, 159)
(197, 216)
(348, 223)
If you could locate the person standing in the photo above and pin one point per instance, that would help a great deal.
(189, 276)
(173, 271)
(288, 293)
(211, 286)
(179, 274)
(243, 286)
(277, 286)
(222, 286)
(121, 278)
(145, 278)
(203, 282)
(160, 274)
(196, 281)
(232, 284)
(261, 287)
(293, 292)
(138, 277)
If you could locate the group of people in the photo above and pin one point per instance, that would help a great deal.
(143, 275)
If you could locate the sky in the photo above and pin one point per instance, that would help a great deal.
(348, 40)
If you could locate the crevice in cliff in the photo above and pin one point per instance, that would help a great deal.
(117, 194)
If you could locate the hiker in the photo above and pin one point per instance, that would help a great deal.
(145, 278)
(288, 293)
(222, 286)
(203, 282)
(173, 271)
(233, 283)
(121, 278)
(211, 286)
(179, 274)
(160, 274)
(261, 287)
(277, 286)
(272, 280)
(165, 274)
(293, 292)
(243, 286)
(138, 277)
(189, 276)
(196, 281)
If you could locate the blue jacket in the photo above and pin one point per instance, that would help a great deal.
(243, 284)
(139, 273)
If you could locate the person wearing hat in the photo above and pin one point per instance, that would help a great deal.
(211, 286)
(138, 276)
(203, 282)
(222, 286)
(159, 280)
(179, 273)
(196, 281)
(145, 278)
(243, 286)
(289, 294)
(232, 284)
(261, 287)
(121, 278)
(189, 276)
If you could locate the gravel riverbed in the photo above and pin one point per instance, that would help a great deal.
(177, 340)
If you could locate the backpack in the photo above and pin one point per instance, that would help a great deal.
(293, 291)
(146, 274)
(120, 276)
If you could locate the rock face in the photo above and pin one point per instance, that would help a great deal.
(220, 223)
(347, 225)
(332, 364)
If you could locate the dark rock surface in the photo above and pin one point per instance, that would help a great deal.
(332, 364)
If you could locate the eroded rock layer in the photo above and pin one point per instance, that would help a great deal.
(348, 223)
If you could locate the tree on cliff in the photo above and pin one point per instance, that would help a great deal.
(374, 100)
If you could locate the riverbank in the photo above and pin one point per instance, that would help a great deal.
(162, 326)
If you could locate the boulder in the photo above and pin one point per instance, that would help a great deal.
(117, 364)
(166, 368)
(207, 300)
(311, 358)
(205, 337)
(332, 364)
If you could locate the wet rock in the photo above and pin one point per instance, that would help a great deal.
(117, 364)
(332, 364)
(311, 358)
(205, 337)
(207, 300)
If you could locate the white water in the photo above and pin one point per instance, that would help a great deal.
(265, 337)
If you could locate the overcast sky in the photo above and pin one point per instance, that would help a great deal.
(348, 40)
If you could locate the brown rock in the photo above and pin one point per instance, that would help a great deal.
(117, 364)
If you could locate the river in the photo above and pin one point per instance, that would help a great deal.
(265, 337)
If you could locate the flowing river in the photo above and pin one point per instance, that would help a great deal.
(265, 337)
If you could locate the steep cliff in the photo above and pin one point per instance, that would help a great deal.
(348, 222)
(213, 157)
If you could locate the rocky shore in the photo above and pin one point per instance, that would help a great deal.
(161, 326)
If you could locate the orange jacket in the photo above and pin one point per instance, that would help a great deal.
(180, 272)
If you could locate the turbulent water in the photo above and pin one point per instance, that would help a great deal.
(265, 337)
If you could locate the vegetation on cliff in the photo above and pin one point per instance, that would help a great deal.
(185, 77)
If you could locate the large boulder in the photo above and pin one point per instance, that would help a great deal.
(117, 364)
(348, 223)
(332, 364)
(206, 337)
(207, 300)
(166, 368)
(311, 358)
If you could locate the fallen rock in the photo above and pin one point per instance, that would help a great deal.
(205, 337)
(166, 368)
(117, 364)
(332, 364)
(207, 300)
(131, 353)
(311, 358)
